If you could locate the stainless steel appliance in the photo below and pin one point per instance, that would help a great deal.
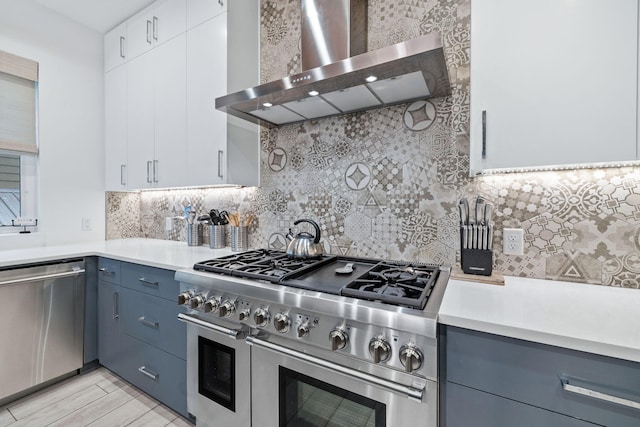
(339, 76)
(327, 341)
(42, 324)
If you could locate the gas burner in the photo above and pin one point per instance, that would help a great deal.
(395, 291)
(397, 275)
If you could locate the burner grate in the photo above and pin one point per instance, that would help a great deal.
(408, 285)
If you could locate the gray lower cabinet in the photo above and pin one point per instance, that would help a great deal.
(139, 336)
(494, 380)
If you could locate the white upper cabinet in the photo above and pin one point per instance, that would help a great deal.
(115, 47)
(116, 164)
(199, 11)
(155, 25)
(206, 80)
(162, 128)
(553, 82)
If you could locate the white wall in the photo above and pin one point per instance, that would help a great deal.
(71, 114)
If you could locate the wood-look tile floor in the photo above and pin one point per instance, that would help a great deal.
(97, 399)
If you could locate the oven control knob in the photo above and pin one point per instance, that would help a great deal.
(411, 358)
(184, 298)
(261, 317)
(196, 302)
(338, 339)
(303, 330)
(244, 315)
(211, 305)
(227, 309)
(380, 350)
(282, 322)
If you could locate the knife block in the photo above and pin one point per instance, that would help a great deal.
(476, 261)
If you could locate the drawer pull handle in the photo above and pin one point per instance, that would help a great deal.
(148, 323)
(143, 370)
(566, 386)
(148, 282)
(104, 270)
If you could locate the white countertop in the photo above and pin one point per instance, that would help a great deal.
(156, 253)
(596, 319)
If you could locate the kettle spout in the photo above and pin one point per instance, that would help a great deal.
(289, 235)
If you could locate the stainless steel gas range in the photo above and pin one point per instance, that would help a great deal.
(336, 341)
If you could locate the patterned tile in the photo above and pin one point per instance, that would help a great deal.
(385, 183)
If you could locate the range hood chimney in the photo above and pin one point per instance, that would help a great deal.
(339, 75)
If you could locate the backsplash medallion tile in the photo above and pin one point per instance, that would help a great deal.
(385, 183)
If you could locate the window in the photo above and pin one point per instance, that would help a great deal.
(18, 139)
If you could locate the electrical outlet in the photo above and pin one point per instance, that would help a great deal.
(513, 241)
(86, 224)
(168, 223)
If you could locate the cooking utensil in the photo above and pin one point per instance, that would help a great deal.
(346, 269)
(479, 223)
(304, 245)
(488, 212)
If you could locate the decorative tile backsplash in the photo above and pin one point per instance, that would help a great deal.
(385, 183)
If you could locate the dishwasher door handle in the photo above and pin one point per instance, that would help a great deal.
(43, 277)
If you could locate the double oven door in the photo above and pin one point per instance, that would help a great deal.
(218, 374)
(293, 388)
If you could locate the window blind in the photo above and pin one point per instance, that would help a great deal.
(18, 83)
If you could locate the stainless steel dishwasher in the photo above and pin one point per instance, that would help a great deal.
(41, 324)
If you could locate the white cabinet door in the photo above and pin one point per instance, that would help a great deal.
(206, 80)
(115, 47)
(199, 11)
(140, 33)
(557, 80)
(170, 167)
(169, 20)
(115, 93)
(140, 120)
(155, 25)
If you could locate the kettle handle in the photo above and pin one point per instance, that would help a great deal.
(315, 226)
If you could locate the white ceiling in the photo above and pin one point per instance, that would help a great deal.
(99, 15)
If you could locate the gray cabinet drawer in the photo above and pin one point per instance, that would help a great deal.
(109, 270)
(467, 407)
(153, 320)
(150, 280)
(156, 372)
(531, 373)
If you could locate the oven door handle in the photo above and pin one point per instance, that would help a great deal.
(233, 333)
(412, 393)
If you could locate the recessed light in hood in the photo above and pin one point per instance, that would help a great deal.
(404, 72)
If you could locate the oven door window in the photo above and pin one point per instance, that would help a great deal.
(308, 402)
(217, 372)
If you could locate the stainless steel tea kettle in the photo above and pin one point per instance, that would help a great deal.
(305, 245)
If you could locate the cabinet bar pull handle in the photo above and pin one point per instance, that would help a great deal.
(122, 47)
(148, 282)
(123, 169)
(148, 31)
(598, 394)
(149, 172)
(484, 134)
(143, 370)
(116, 309)
(156, 170)
(220, 154)
(148, 323)
(155, 28)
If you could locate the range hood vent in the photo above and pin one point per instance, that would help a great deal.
(336, 82)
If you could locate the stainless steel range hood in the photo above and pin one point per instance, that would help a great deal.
(335, 82)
